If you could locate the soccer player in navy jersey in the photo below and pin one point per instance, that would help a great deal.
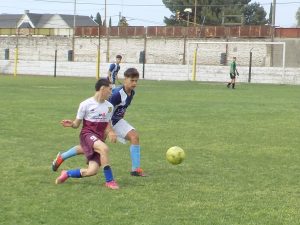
(95, 113)
(121, 99)
(113, 71)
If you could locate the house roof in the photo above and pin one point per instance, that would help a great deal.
(41, 20)
(34, 18)
(9, 20)
(80, 21)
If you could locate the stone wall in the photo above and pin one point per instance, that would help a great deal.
(158, 50)
(155, 71)
(166, 58)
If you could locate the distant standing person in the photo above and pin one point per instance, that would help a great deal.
(113, 71)
(233, 73)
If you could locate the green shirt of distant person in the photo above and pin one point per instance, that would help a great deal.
(233, 70)
(233, 73)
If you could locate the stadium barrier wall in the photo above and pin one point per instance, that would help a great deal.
(158, 50)
(154, 71)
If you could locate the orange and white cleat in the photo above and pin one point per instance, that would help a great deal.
(57, 162)
(138, 173)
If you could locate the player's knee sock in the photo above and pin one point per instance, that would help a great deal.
(74, 173)
(108, 173)
(135, 156)
(233, 85)
(69, 153)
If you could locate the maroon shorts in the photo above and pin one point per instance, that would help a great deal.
(87, 142)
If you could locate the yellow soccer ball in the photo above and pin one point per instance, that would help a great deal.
(175, 155)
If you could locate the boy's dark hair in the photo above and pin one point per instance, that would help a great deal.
(132, 73)
(102, 82)
(118, 57)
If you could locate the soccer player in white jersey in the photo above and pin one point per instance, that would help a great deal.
(95, 113)
(120, 99)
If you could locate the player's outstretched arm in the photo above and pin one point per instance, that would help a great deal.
(71, 123)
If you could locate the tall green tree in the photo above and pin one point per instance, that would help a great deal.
(270, 14)
(109, 22)
(214, 11)
(298, 17)
(123, 22)
(98, 19)
(254, 14)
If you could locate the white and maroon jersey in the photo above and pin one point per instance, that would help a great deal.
(95, 116)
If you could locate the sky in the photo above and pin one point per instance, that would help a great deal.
(137, 12)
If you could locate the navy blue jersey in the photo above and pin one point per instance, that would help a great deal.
(114, 69)
(120, 100)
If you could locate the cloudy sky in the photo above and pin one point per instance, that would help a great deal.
(138, 13)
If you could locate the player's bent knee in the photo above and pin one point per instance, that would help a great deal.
(89, 172)
(101, 148)
(133, 137)
(104, 150)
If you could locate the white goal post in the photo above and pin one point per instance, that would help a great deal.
(206, 56)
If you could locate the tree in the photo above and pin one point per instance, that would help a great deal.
(123, 22)
(254, 14)
(298, 17)
(98, 19)
(270, 14)
(109, 22)
(212, 10)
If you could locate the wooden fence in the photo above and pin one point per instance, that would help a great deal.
(162, 31)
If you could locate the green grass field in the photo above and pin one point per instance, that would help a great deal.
(242, 155)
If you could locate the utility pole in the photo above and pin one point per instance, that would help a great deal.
(273, 31)
(74, 28)
(16, 51)
(273, 13)
(188, 11)
(195, 13)
(107, 36)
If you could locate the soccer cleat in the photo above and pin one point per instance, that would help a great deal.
(57, 162)
(62, 178)
(112, 185)
(138, 173)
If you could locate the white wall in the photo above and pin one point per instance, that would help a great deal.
(154, 71)
(158, 50)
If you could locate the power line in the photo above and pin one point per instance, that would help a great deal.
(156, 5)
(160, 5)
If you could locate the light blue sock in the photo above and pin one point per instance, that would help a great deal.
(135, 156)
(74, 173)
(69, 153)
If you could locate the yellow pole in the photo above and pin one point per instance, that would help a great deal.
(98, 64)
(16, 61)
(194, 65)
